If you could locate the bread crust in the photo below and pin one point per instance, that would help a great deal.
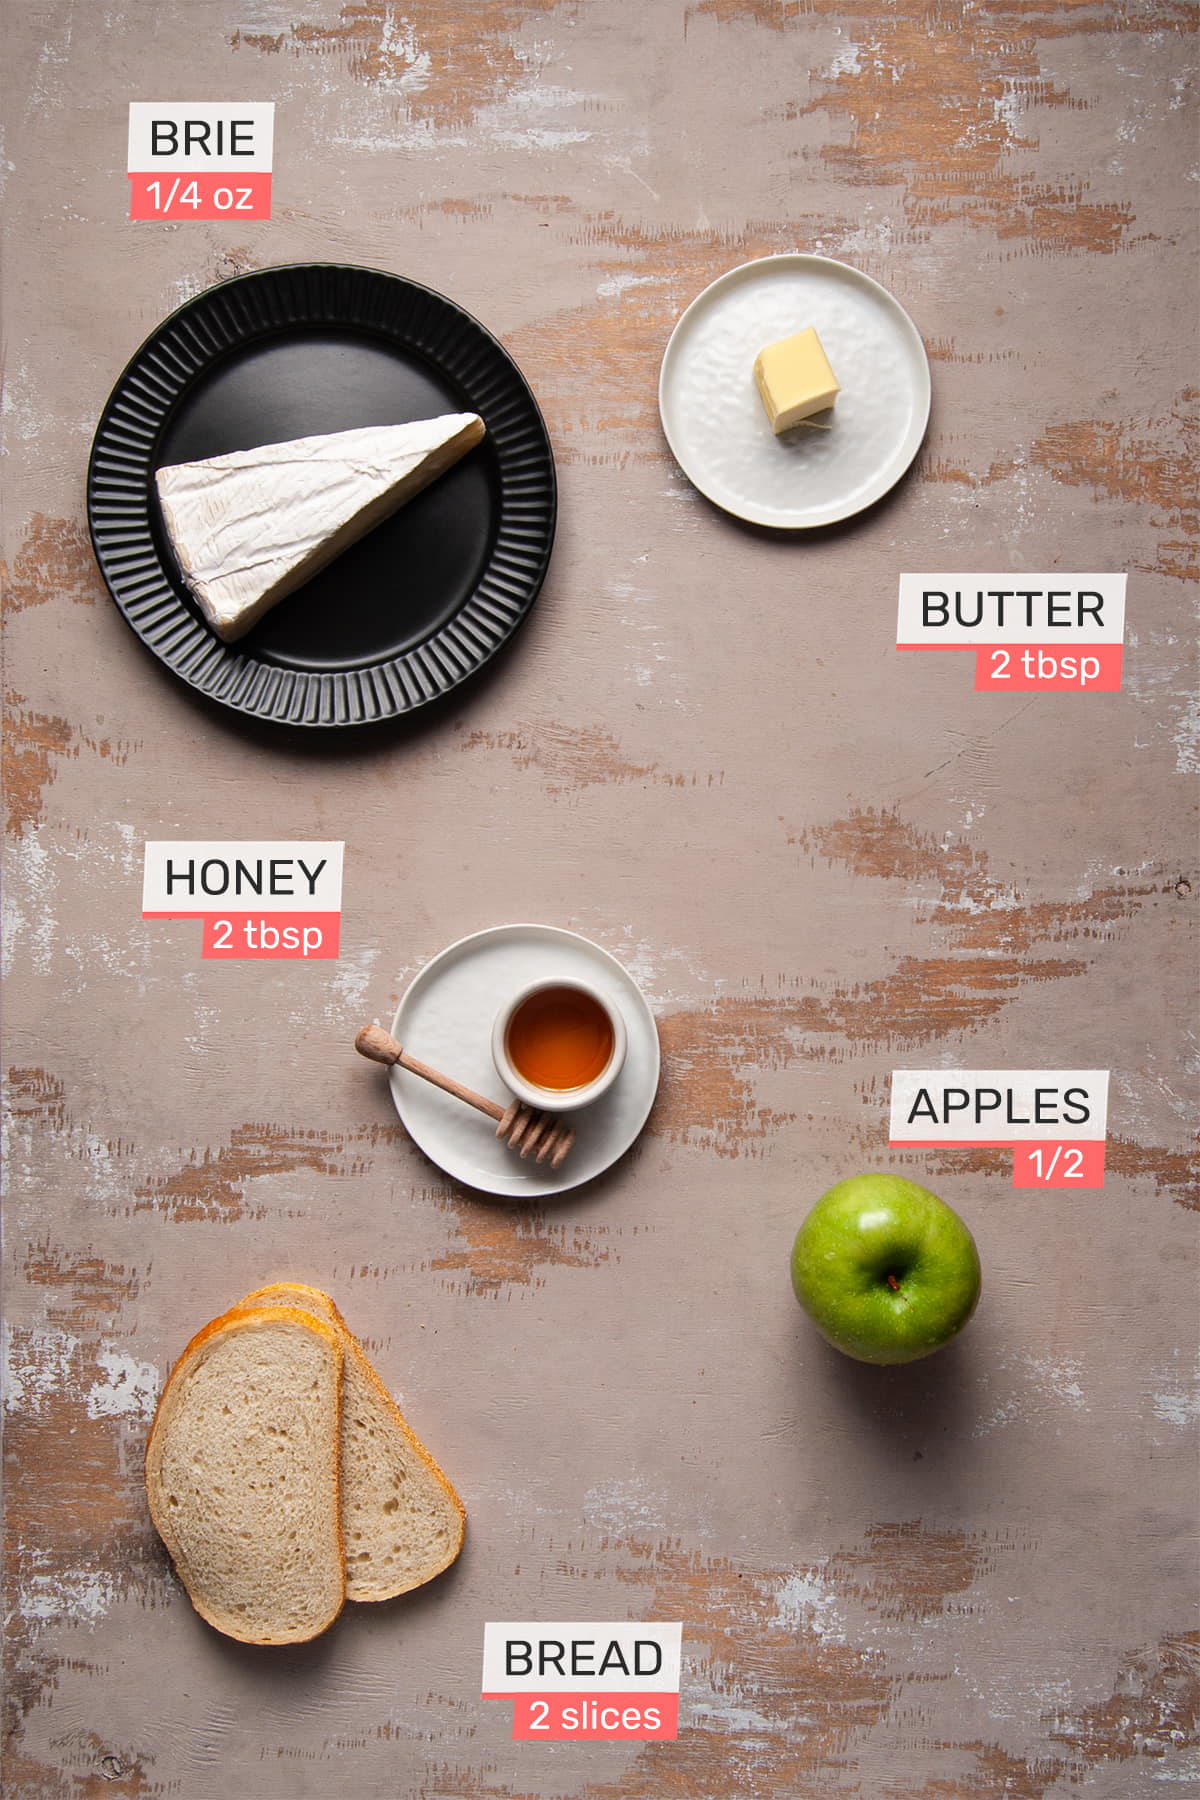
(239, 1319)
(356, 1587)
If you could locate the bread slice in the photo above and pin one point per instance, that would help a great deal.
(242, 1474)
(402, 1522)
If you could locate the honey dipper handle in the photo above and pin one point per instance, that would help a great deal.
(380, 1046)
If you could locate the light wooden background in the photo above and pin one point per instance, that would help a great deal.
(970, 1579)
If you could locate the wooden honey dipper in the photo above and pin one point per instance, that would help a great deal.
(542, 1135)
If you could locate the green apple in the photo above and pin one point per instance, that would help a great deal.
(885, 1270)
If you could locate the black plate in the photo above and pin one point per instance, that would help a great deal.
(417, 605)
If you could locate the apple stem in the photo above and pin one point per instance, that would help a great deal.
(893, 1282)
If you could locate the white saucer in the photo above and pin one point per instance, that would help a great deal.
(445, 1019)
(714, 419)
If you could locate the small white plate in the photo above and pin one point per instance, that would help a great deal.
(445, 1019)
(714, 419)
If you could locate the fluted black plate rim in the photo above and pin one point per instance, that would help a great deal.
(408, 321)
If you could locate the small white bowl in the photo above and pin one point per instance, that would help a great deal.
(558, 1099)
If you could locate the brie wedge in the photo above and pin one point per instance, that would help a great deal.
(251, 527)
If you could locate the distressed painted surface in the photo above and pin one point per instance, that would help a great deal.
(965, 1580)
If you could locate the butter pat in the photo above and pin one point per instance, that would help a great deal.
(794, 379)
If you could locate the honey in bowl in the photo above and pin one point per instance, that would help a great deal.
(559, 1038)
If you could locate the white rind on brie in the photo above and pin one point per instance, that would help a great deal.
(251, 527)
